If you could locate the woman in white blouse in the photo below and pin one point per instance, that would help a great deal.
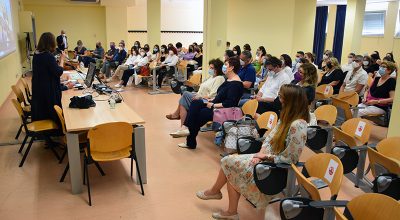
(207, 91)
(156, 55)
(140, 61)
(167, 66)
(286, 65)
(121, 68)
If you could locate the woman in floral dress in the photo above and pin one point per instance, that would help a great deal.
(283, 145)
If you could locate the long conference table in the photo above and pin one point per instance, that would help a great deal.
(80, 120)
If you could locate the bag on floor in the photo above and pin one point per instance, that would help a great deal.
(242, 128)
(224, 114)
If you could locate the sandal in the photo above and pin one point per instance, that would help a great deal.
(170, 117)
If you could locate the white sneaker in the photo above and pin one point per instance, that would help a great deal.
(120, 89)
(118, 86)
(183, 145)
(180, 133)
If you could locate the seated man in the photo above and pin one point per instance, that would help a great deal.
(269, 91)
(108, 56)
(97, 54)
(296, 64)
(117, 58)
(356, 79)
(247, 74)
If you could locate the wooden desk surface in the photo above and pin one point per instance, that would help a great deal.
(84, 119)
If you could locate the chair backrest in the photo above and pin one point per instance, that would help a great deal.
(372, 206)
(18, 107)
(250, 107)
(110, 137)
(377, 158)
(195, 79)
(350, 97)
(182, 65)
(153, 64)
(358, 128)
(27, 90)
(20, 96)
(59, 112)
(326, 113)
(324, 91)
(390, 147)
(267, 120)
(327, 167)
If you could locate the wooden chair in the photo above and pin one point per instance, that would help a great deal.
(21, 99)
(35, 130)
(324, 91)
(378, 158)
(105, 147)
(390, 147)
(250, 107)
(326, 113)
(371, 206)
(267, 121)
(346, 101)
(354, 133)
(195, 80)
(28, 93)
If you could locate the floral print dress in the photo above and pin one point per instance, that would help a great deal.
(239, 170)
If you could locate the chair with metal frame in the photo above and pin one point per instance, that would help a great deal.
(26, 108)
(266, 122)
(250, 107)
(347, 101)
(104, 147)
(28, 92)
(42, 129)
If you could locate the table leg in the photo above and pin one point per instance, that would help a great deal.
(140, 146)
(74, 158)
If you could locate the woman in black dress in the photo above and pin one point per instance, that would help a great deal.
(46, 72)
(333, 75)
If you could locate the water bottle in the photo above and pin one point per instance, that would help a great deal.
(112, 103)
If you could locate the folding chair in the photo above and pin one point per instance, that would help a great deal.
(266, 122)
(348, 102)
(105, 147)
(250, 108)
(28, 93)
(26, 108)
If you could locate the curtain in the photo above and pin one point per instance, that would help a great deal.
(339, 31)
(320, 32)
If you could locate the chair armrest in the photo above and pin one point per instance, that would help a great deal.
(328, 203)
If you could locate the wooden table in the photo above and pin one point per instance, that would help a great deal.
(78, 120)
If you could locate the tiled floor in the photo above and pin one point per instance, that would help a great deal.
(174, 175)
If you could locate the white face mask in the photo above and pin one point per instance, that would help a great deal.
(242, 63)
(235, 52)
(324, 57)
(142, 54)
(355, 65)
(350, 60)
(365, 63)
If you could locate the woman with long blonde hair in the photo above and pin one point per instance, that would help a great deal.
(283, 145)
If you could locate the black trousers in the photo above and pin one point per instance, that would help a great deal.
(269, 106)
(125, 76)
(198, 115)
(162, 73)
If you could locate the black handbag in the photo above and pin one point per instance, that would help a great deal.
(270, 178)
(176, 86)
(387, 184)
(82, 102)
(347, 156)
(248, 145)
(316, 137)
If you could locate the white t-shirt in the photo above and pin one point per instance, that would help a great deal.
(347, 67)
(359, 77)
(210, 86)
(130, 61)
(289, 72)
(273, 84)
(171, 60)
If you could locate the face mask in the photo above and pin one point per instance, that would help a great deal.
(297, 59)
(211, 72)
(324, 57)
(224, 69)
(298, 65)
(162, 50)
(258, 53)
(235, 52)
(112, 47)
(329, 65)
(298, 77)
(242, 63)
(97, 46)
(272, 73)
(365, 63)
(136, 45)
(171, 54)
(142, 54)
(283, 62)
(382, 71)
(350, 60)
(264, 60)
(355, 65)
(155, 50)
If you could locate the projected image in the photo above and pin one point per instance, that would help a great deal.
(7, 41)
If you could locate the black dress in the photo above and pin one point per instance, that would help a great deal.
(46, 88)
(336, 75)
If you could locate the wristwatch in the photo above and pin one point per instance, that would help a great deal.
(379, 101)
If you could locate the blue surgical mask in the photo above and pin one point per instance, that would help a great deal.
(297, 59)
(224, 69)
(382, 71)
(211, 72)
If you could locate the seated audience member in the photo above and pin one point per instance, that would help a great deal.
(97, 54)
(297, 76)
(259, 60)
(201, 112)
(190, 54)
(247, 73)
(108, 56)
(349, 65)
(389, 57)
(394, 73)
(237, 51)
(207, 90)
(137, 45)
(283, 145)
(308, 80)
(286, 65)
(228, 54)
(311, 59)
(381, 93)
(374, 66)
(118, 57)
(325, 58)
(333, 75)
(228, 45)
(356, 79)
(164, 53)
(155, 56)
(141, 60)
(167, 66)
(129, 63)
(180, 52)
(296, 65)
(367, 63)
(79, 50)
(146, 48)
(247, 47)
(268, 93)
(198, 57)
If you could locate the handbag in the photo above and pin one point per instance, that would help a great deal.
(316, 137)
(82, 102)
(144, 71)
(224, 114)
(246, 127)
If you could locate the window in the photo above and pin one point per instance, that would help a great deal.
(374, 23)
(397, 33)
